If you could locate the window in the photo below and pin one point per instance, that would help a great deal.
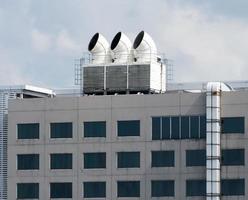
(194, 127)
(178, 127)
(27, 190)
(61, 130)
(165, 128)
(129, 128)
(175, 128)
(94, 160)
(61, 161)
(233, 157)
(162, 188)
(128, 159)
(163, 159)
(231, 187)
(95, 129)
(195, 188)
(196, 157)
(60, 190)
(156, 128)
(202, 126)
(28, 131)
(128, 188)
(233, 125)
(27, 161)
(185, 127)
(94, 189)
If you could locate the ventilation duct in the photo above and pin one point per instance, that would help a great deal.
(121, 47)
(99, 48)
(144, 47)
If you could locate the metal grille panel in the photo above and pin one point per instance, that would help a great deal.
(116, 77)
(139, 77)
(93, 78)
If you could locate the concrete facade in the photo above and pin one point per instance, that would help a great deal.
(111, 109)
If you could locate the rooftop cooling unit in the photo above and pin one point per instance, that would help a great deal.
(99, 48)
(120, 48)
(144, 47)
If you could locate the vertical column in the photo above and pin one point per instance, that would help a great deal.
(213, 149)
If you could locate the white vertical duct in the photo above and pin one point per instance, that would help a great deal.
(213, 143)
(99, 48)
(121, 48)
(144, 47)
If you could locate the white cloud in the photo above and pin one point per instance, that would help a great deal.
(65, 44)
(205, 48)
(41, 42)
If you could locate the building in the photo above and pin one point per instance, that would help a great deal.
(129, 140)
(6, 93)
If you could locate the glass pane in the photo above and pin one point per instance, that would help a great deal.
(174, 127)
(194, 127)
(156, 128)
(94, 189)
(94, 129)
(233, 125)
(94, 160)
(233, 157)
(196, 157)
(60, 190)
(28, 131)
(129, 128)
(128, 189)
(61, 161)
(231, 187)
(165, 127)
(28, 161)
(27, 190)
(163, 159)
(203, 126)
(128, 159)
(61, 130)
(185, 127)
(162, 188)
(196, 188)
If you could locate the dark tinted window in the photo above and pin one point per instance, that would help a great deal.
(61, 130)
(128, 159)
(94, 189)
(163, 159)
(165, 127)
(28, 161)
(202, 126)
(61, 161)
(233, 125)
(60, 190)
(175, 128)
(162, 188)
(156, 128)
(195, 188)
(231, 187)
(233, 157)
(129, 128)
(196, 157)
(28, 131)
(94, 129)
(94, 160)
(194, 127)
(27, 190)
(128, 189)
(185, 127)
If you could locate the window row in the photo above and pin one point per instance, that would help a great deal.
(159, 188)
(94, 160)
(163, 128)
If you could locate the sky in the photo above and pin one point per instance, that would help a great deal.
(40, 39)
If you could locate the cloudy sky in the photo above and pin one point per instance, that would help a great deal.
(40, 39)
